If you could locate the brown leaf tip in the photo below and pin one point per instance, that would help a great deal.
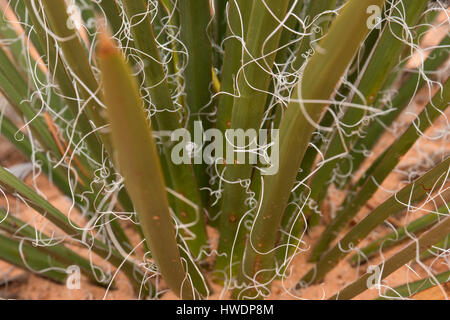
(105, 46)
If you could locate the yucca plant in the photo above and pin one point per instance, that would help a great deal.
(218, 130)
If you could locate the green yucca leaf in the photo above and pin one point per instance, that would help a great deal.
(25, 61)
(23, 143)
(294, 221)
(57, 71)
(321, 76)
(167, 118)
(381, 168)
(291, 224)
(15, 88)
(220, 25)
(87, 15)
(139, 163)
(194, 20)
(314, 9)
(111, 11)
(31, 259)
(284, 52)
(237, 24)
(13, 185)
(20, 10)
(41, 128)
(372, 78)
(401, 100)
(412, 193)
(239, 13)
(437, 250)
(59, 252)
(409, 289)
(287, 38)
(248, 110)
(77, 60)
(55, 174)
(55, 65)
(7, 33)
(424, 242)
(398, 235)
(391, 82)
